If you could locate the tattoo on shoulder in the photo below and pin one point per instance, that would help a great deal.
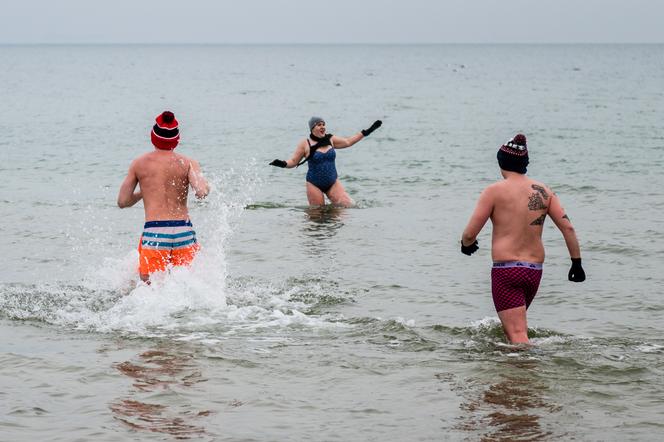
(539, 221)
(541, 191)
(567, 217)
(535, 202)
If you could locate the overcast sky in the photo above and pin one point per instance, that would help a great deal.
(331, 21)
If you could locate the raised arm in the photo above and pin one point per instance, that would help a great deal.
(341, 142)
(564, 224)
(480, 215)
(127, 197)
(197, 181)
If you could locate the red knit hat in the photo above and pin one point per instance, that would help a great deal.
(165, 134)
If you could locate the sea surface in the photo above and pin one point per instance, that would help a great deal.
(310, 324)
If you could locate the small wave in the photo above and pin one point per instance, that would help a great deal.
(487, 327)
(397, 333)
(307, 294)
(313, 210)
(265, 205)
(487, 334)
(567, 188)
(356, 179)
(368, 204)
(650, 348)
(613, 248)
(252, 92)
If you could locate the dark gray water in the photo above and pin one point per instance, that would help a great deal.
(334, 324)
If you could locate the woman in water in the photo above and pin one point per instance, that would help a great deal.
(319, 150)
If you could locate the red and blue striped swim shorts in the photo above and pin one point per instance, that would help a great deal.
(165, 243)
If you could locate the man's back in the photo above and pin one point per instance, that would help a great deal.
(517, 207)
(520, 206)
(164, 180)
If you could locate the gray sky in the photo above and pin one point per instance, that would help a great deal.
(331, 21)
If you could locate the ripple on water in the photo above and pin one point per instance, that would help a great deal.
(396, 334)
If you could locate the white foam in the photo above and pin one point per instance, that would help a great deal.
(650, 348)
(485, 323)
(550, 340)
(189, 302)
(406, 322)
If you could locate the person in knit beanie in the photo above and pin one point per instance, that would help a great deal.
(513, 155)
(165, 133)
(164, 178)
(318, 150)
(518, 207)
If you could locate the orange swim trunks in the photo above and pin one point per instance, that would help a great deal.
(165, 243)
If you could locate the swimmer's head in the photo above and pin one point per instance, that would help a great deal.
(313, 121)
(513, 155)
(165, 134)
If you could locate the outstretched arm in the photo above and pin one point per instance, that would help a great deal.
(294, 160)
(127, 197)
(341, 142)
(197, 181)
(480, 215)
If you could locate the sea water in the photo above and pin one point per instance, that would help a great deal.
(298, 323)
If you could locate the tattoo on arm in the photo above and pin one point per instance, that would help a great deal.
(539, 221)
(567, 217)
(535, 202)
(541, 191)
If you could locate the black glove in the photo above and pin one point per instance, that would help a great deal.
(376, 125)
(278, 163)
(469, 250)
(576, 273)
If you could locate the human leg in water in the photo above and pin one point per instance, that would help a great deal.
(338, 196)
(315, 196)
(515, 324)
(514, 285)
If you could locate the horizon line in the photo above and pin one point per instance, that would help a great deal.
(320, 43)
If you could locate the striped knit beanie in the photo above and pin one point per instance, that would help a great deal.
(513, 155)
(165, 134)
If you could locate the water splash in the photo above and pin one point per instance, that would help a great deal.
(195, 301)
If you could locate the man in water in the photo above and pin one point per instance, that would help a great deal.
(164, 178)
(518, 207)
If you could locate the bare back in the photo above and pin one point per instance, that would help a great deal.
(164, 180)
(520, 206)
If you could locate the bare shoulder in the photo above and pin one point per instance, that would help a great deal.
(183, 159)
(494, 188)
(489, 194)
(541, 188)
(140, 160)
(302, 146)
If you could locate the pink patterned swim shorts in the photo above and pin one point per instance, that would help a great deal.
(514, 283)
